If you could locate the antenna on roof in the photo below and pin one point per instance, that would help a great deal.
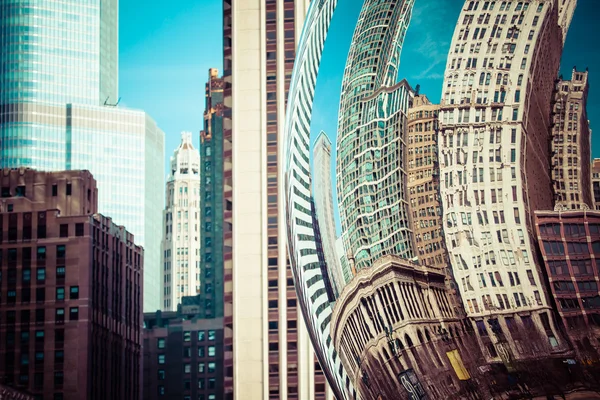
(106, 103)
(417, 90)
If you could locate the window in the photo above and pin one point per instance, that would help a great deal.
(60, 315)
(68, 189)
(79, 229)
(211, 351)
(211, 367)
(58, 377)
(74, 292)
(161, 343)
(74, 314)
(201, 336)
(211, 335)
(187, 336)
(59, 356)
(60, 272)
(201, 351)
(187, 368)
(161, 358)
(54, 190)
(61, 251)
(161, 374)
(41, 253)
(41, 274)
(201, 368)
(64, 230)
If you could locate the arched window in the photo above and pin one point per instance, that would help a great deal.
(420, 336)
(505, 79)
(482, 78)
(408, 340)
(488, 78)
(499, 79)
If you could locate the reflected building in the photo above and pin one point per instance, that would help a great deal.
(371, 148)
(596, 182)
(571, 144)
(57, 112)
(424, 183)
(212, 206)
(394, 317)
(342, 255)
(570, 244)
(495, 159)
(181, 240)
(323, 195)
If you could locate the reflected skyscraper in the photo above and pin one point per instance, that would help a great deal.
(58, 96)
(323, 195)
(495, 159)
(371, 151)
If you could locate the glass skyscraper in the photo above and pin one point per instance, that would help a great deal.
(58, 91)
(371, 156)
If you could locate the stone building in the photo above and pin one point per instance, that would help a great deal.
(495, 127)
(571, 144)
(396, 317)
(71, 297)
(181, 227)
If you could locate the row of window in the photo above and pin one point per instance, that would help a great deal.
(187, 353)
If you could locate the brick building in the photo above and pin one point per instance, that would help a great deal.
(570, 245)
(423, 183)
(183, 353)
(596, 183)
(71, 290)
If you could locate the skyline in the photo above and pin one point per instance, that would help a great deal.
(157, 33)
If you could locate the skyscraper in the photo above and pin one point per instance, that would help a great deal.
(494, 156)
(424, 183)
(323, 195)
(211, 198)
(371, 149)
(181, 227)
(571, 144)
(58, 91)
(264, 331)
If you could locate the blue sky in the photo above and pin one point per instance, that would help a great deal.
(165, 51)
(165, 54)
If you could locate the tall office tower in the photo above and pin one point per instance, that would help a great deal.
(58, 92)
(327, 280)
(181, 227)
(323, 195)
(424, 183)
(494, 156)
(183, 353)
(571, 143)
(264, 332)
(596, 183)
(371, 148)
(211, 198)
(72, 302)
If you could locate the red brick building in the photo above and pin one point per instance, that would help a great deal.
(570, 245)
(70, 291)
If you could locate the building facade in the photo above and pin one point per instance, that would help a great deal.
(183, 353)
(494, 155)
(396, 316)
(424, 183)
(323, 195)
(570, 245)
(371, 150)
(9, 393)
(571, 144)
(211, 198)
(264, 331)
(342, 255)
(181, 226)
(58, 111)
(595, 167)
(71, 290)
